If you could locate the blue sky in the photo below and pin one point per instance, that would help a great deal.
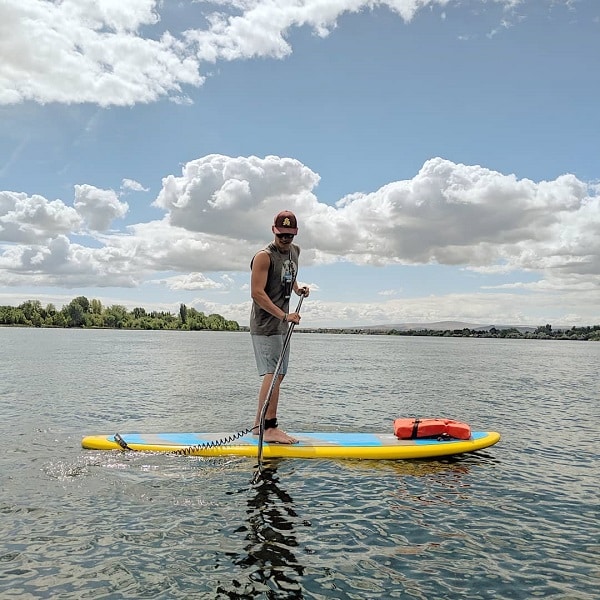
(441, 156)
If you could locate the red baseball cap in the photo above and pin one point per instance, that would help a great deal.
(285, 222)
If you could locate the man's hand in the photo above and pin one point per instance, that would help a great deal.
(293, 318)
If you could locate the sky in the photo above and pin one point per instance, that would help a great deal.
(442, 156)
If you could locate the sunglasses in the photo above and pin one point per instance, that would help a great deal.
(285, 236)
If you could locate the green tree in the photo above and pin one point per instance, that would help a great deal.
(13, 316)
(32, 311)
(74, 314)
(216, 322)
(183, 313)
(80, 312)
(196, 320)
(138, 313)
(96, 307)
(83, 302)
(94, 320)
(232, 325)
(116, 316)
(59, 319)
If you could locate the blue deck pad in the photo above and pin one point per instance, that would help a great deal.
(336, 438)
(332, 438)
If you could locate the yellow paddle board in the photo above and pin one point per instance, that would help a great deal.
(342, 445)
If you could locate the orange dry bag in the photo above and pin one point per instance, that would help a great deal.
(410, 429)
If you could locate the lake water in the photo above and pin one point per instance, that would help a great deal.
(518, 520)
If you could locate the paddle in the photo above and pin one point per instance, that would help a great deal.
(265, 406)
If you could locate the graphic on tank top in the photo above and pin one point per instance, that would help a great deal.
(288, 275)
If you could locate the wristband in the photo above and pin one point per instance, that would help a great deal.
(284, 317)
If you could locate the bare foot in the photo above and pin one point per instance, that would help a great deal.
(278, 436)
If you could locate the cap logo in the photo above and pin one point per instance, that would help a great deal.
(286, 222)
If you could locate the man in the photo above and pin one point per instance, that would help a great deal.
(273, 278)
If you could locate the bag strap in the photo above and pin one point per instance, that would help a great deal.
(415, 429)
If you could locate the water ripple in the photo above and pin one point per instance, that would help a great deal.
(520, 520)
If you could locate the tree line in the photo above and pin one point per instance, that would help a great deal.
(543, 332)
(81, 312)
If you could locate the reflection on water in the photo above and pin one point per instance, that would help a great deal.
(271, 543)
(353, 526)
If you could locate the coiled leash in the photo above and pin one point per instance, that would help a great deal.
(214, 444)
(189, 450)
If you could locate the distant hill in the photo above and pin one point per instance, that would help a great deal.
(443, 326)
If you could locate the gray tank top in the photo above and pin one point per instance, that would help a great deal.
(280, 280)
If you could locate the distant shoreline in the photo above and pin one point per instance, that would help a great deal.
(586, 334)
(581, 334)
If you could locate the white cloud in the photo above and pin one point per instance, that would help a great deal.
(158, 246)
(99, 208)
(456, 214)
(259, 29)
(219, 211)
(96, 51)
(132, 185)
(64, 264)
(115, 14)
(448, 213)
(235, 197)
(88, 51)
(190, 281)
(30, 219)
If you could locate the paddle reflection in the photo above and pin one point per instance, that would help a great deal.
(270, 562)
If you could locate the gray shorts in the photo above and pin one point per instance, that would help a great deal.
(267, 350)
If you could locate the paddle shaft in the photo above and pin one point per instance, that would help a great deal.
(265, 406)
